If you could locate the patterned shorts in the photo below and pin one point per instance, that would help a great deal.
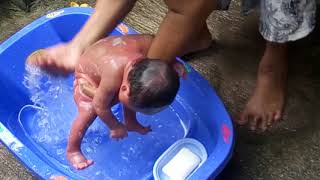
(281, 20)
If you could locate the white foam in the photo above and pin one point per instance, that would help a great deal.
(52, 99)
(118, 41)
(86, 105)
(113, 63)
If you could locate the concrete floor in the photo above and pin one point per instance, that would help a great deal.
(290, 150)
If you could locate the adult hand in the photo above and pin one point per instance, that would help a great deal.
(58, 59)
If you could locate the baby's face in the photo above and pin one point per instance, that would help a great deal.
(124, 99)
(124, 89)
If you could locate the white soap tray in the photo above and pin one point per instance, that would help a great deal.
(172, 160)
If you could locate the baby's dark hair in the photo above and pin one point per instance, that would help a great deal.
(153, 84)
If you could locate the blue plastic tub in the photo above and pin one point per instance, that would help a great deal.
(40, 145)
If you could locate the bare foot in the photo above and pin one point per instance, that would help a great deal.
(266, 104)
(78, 161)
(136, 127)
(201, 42)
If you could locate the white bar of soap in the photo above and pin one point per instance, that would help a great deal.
(181, 165)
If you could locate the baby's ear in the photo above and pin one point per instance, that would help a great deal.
(125, 89)
(136, 57)
(180, 69)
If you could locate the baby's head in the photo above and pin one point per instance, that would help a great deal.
(149, 86)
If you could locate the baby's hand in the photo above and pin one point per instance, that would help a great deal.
(119, 132)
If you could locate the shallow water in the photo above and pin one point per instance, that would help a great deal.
(47, 122)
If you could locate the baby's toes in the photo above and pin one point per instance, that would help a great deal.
(81, 165)
(89, 162)
(84, 165)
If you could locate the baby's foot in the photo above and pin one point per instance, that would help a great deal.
(136, 127)
(78, 161)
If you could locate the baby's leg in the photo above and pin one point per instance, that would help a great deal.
(86, 115)
(78, 130)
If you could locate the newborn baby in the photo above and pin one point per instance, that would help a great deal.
(110, 71)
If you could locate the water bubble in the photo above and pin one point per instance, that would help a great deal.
(130, 158)
(89, 150)
(98, 140)
(54, 97)
(98, 173)
(125, 158)
(60, 151)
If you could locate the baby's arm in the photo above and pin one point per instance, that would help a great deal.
(102, 102)
(132, 123)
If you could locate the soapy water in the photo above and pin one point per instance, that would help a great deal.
(54, 104)
(48, 120)
(52, 96)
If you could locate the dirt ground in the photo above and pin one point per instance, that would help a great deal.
(289, 151)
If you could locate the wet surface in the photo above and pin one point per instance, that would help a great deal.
(290, 150)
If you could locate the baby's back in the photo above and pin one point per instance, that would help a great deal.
(109, 53)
